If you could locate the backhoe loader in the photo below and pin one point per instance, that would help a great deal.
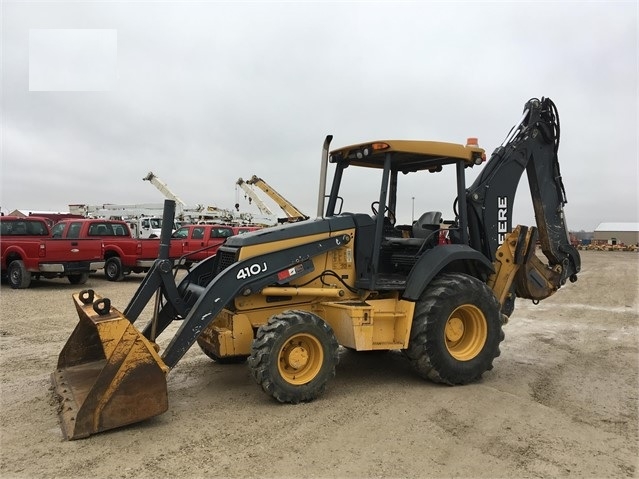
(285, 298)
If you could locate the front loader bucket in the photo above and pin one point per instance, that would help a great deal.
(108, 374)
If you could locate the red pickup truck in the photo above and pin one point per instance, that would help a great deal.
(28, 251)
(123, 254)
(201, 241)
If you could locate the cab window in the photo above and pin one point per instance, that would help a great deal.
(100, 229)
(57, 230)
(23, 228)
(221, 232)
(36, 228)
(198, 233)
(74, 230)
(182, 233)
(119, 230)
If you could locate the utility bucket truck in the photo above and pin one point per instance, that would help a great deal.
(285, 298)
(144, 220)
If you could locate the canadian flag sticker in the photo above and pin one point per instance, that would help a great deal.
(287, 273)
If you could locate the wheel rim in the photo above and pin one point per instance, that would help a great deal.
(111, 269)
(16, 277)
(466, 332)
(300, 359)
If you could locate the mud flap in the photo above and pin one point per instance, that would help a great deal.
(108, 375)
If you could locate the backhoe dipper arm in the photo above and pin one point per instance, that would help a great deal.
(531, 145)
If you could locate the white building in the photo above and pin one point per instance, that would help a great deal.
(617, 233)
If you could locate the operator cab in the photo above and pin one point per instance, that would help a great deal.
(386, 251)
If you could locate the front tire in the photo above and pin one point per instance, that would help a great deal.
(293, 356)
(456, 330)
(113, 269)
(19, 277)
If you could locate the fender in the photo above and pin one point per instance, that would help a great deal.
(433, 261)
(110, 249)
(18, 252)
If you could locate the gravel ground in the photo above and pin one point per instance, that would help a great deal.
(562, 401)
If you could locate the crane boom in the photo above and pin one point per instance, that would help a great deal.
(291, 211)
(116, 210)
(163, 188)
(199, 212)
(263, 207)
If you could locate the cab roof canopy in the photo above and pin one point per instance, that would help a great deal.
(408, 155)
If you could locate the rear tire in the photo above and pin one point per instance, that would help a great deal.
(293, 356)
(78, 278)
(113, 269)
(456, 330)
(19, 277)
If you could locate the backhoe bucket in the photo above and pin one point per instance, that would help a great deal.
(108, 374)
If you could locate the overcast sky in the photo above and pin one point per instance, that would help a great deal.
(96, 94)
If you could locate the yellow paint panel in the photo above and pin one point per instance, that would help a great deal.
(373, 324)
(419, 147)
(242, 335)
(340, 260)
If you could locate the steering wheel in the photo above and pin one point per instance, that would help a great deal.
(387, 211)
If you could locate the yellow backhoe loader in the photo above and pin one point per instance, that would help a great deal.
(285, 298)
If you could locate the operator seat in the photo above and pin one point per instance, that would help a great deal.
(426, 226)
(402, 253)
(424, 231)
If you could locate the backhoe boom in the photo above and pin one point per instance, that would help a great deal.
(532, 146)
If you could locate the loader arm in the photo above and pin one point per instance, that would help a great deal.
(160, 276)
(531, 145)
